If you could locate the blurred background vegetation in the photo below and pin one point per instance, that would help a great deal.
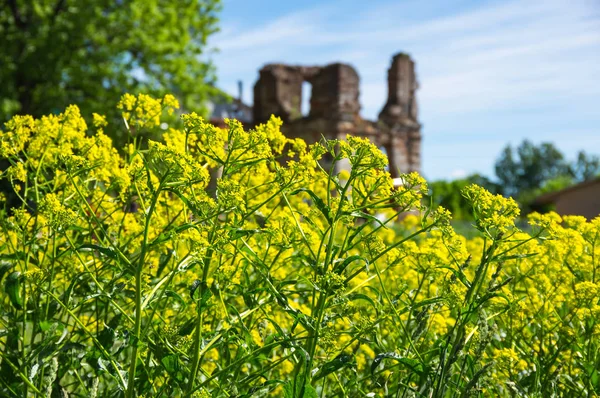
(57, 52)
(525, 173)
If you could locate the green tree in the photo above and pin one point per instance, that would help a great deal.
(57, 52)
(585, 167)
(529, 166)
(485, 182)
(448, 194)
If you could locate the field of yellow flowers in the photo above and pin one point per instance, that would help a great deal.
(230, 263)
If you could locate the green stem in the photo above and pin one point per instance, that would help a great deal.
(138, 296)
(21, 375)
(198, 351)
(91, 336)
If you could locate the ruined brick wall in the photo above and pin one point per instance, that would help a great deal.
(335, 107)
(334, 93)
(400, 115)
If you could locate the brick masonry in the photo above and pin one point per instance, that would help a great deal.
(335, 107)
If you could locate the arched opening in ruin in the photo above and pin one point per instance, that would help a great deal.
(306, 96)
(316, 101)
(392, 161)
(385, 152)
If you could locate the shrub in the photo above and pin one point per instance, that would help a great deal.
(224, 262)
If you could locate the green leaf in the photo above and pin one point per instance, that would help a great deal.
(194, 286)
(338, 269)
(361, 296)
(501, 284)
(323, 208)
(108, 252)
(362, 214)
(473, 382)
(412, 364)
(242, 233)
(337, 363)
(102, 365)
(433, 300)
(67, 294)
(306, 321)
(177, 297)
(514, 257)
(4, 268)
(12, 288)
(171, 363)
(13, 256)
(595, 377)
(163, 261)
(490, 296)
(187, 327)
(288, 390)
(203, 287)
(459, 274)
(45, 326)
(309, 391)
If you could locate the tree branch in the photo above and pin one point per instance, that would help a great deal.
(58, 7)
(19, 22)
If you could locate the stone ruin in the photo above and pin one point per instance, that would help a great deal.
(335, 107)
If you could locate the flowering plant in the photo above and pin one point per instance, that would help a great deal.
(225, 262)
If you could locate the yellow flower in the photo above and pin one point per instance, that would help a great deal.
(99, 120)
(171, 103)
(18, 172)
(586, 291)
(492, 212)
(59, 216)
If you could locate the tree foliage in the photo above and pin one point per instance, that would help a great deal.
(529, 166)
(56, 52)
(524, 172)
(529, 171)
(448, 194)
(586, 167)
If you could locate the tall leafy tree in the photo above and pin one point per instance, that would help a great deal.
(448, 194)
(57, 52)
(585, 167)
(528, 166)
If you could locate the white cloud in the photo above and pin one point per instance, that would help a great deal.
(539, 59)
(512, 51)
(458, 173)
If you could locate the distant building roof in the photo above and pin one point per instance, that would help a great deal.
(221, 109)
(580, 199)
(235, 109)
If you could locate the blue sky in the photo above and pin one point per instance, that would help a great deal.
(491, 72)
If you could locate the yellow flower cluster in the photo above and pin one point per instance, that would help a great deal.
(221, 262)
(493, 213)
(56, 212)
